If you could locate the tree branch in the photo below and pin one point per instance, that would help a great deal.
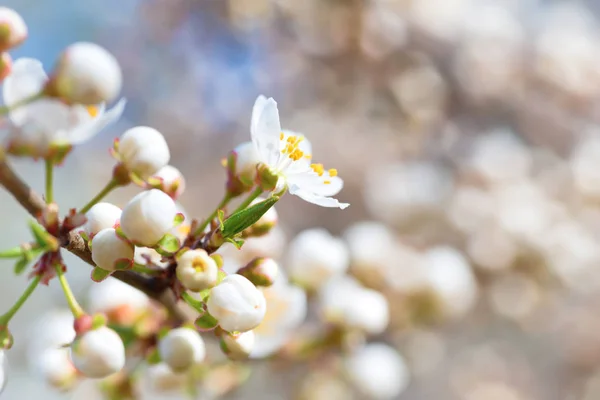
(156, 288)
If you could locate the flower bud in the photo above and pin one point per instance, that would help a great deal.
(261, 271)
(13, 30)
(148, 217)
(315, 256)
(99, 217)
(143, 151)
(196, 270)
(98, 353)
(54, 366)
(237, 304)
(6, 64)
(264, 224)
(378, 371)
(346, 303)
(246, 159)
(181, 348)
(108, 249)
(170, 180)
(162, 379)
(239, 346)
(86, 74)
(2, 370)
(121, 302)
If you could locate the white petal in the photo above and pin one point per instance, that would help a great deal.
(317, 199)
(312, 182)
(26, 79)
(87, 130)
(265, 129)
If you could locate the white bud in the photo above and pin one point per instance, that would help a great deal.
(148, 217)
(52, 330)
(246, 159)
(239, 346)
(13, 30)
(143, 151)
(181, 348)
(98, 353)
(378, 371)
(261, 271)
(172, 181)
(2, 370)
(346, 303)
(55, 367)
(101, 216)
(112, 294)
(315, 256)
(162, 379)
(237, 304)
(196, 270)
(86, 74)
(108, 248)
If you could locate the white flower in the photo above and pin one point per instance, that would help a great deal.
(2, 370)
(585, 162)
(163, 379)
(238, 346)
(47, 122)
(285, 156)
(13, 28)
(286, 310)
(378, 371)
(98, 353)
(148, 217)
(246, 160)
(112, 294)
(196, 270)
(314, 256)
(452, 280)
(108, 248)
(371, 246)
(86, 74)
(181, 348)
(143, 151)
(237, 304)
(101, 216)
(53, 330)
(55, 367)
(171, 181)
(346, 303)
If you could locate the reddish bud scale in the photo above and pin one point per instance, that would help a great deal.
(83, 324)
(5, 65)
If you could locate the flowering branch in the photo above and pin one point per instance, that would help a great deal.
(155, 287)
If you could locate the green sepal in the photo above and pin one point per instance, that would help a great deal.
(154, 182)
(243, 219)
(99, 274)
(162, 332)
(6, 338)
(20, 265)
(237, 242)
(153, 357)
(206, 322)
(84, 236)
(98, 320)
(178, 220)
(220, 276)
(45, 240)
(168, 245)
(218, 260)
(123, 264)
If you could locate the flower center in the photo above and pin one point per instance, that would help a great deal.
(292, 147)
(92, 110)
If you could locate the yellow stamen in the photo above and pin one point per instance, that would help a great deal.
(318, 168)
(92, 110)
(332, 172)
(291, 148)
(327, 182)
(281, 136)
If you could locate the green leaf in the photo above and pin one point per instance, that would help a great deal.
(243, 219)
(168, 245)
(99, 274)
(153, 357)
(238, 243)
(20, 265)
(42, 237)
(206, 322)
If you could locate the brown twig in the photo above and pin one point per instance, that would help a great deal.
(155, 287)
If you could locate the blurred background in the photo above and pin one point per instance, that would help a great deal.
(469, 129)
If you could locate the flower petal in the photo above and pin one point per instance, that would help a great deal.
(265, 129)
(312, 182)
(26, 79)
(85, 131)
(316, 199)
